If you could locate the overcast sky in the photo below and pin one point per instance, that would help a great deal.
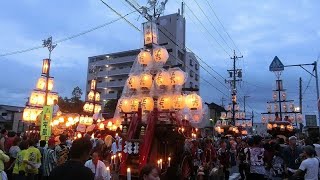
(289, 29)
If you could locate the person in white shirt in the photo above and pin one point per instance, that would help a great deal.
(56, 107)
(97, 167)
(310, 165)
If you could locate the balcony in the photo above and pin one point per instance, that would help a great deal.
(115, 72)
(126, 59)
(111, 84)
(109, 96)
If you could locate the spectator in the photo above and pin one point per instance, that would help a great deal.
(3, 137)
(256, 156)
(309, 166)
(9, 141)
(224, 158)
(149, 172)
(19, 172)
(41, 149)
(291, 154)
(62, 150)
(13, 153)
(74, 168)
(33, 160)
(97, 167)
(3, 159)
(49, 159)
(277, 166)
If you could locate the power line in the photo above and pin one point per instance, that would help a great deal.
(68, 38)
(207, 30)
(212, 24)
(223, 26)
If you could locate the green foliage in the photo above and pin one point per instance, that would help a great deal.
(73, 104)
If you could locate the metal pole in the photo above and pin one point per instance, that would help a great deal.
(300, 94)
(47, 80)
(234, 87)
(317, 85)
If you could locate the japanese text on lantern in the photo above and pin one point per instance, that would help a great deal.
(46, 118)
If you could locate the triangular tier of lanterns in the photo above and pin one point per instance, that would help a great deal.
(151, 86)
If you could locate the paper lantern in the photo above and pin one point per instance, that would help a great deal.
(193, 101)
(269, 126)
(160, 55)
(144, 57)
(164, 103)
(97, 108)
(61, 119)
(177, 77)
(145, 81)
(263, 119)
(237, 107)
(86, 107)
(97, 97)
(290, 128)
(229, 115)
(133, 82)
(93, 84)
(285, 107)
(91, 106)
(275, 96)
(124, 105)
(163, 78)
(150, 33)
(51, 98)
(101, 126)
(282, 127)
(178, 102)
(91, 95)
(291, 107)
(284, 96)
(244, 132)
(50, 84)
(223, 115)
(31, 114)
(37, 98)
(109, 124)
(276, 107)
(147, 104)
(41, 84)
(275, 125)
(134, 104)
(45, 66)
(269, 109)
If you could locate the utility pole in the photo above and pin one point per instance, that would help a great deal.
(222, 101)
(300, 95)
(235, 75)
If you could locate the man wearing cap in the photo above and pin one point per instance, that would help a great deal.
(309, 166)
(49, 159)
(291, 154)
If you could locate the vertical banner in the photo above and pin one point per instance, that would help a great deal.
(46, 118)
(150, 33)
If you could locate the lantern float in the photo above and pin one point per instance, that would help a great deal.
(124, 105)
(178, 102)
(133, 82)
(164, 103)
(134, 104)
(177, 77)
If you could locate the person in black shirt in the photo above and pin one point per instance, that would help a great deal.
(74, 168)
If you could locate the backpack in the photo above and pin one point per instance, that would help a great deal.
(62, 154)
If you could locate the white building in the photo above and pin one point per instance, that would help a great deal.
(112, 69)
(11, 118)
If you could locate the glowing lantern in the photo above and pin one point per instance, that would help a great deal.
(144, 57)
(70, 119)
(101, 126)
(51, 98)
(163, 78)
(178, 102)
(109, 125)
(276, 107)
(263, 119)
(160, 55)
(275, 125)
(282, 127)
(41, 84)
(97, 108)
(269, 126)
(79, 135)
(223, 115)
(285, 107)
(147, 104)
(97, 97)
(93, 84)
(275, 96)
(76, 119)
(37, 98)
(145, 81)
(61, 119)
(133, 82)
(290, 128)
(244, 132)
(56, 122)
(45, 66)
(91, 95)
(124, 105)
(91, 106)
(50, 84)
(134, 104)
(194, 101)
(164, 103)
(269, 108)
(284, 96)
(177, 77)
(81, 120)
(67, 124)
(86, 107)
(114, 127)
(150, 33)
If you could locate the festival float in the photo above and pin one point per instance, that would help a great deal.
(156, 117)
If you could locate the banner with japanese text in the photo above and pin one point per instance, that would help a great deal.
(46, 118)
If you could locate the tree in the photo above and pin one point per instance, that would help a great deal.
(110, 106)
(73, 104)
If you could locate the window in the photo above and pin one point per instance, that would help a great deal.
(112, 80)
(99, 81)
(191, 84)
(169, 50)
(100, 69)
(120, 79)
(196, 66)
(197, 77)
(4, 114)
(111, 92)
(180, 55)
(191, 73)
(191, 62)
(121, 67)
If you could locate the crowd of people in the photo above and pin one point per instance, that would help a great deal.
(254, 158)
(25, 157)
